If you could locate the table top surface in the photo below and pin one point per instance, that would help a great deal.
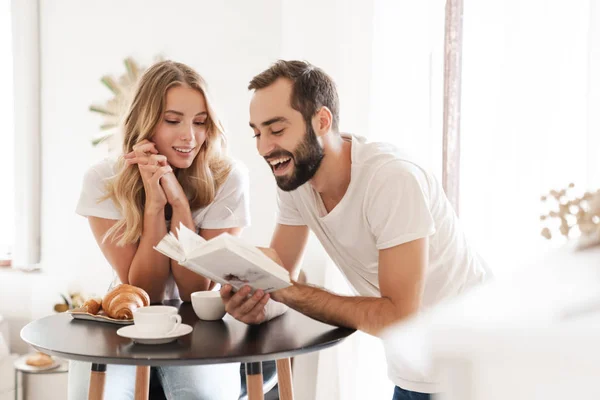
(211, 342)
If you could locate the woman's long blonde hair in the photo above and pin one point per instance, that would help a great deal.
(200, 181)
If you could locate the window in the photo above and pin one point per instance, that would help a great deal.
(527, 125)
(7, 209)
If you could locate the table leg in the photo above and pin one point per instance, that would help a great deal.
(284, 379)
(142, 382)
(254, 381)
(96, 391)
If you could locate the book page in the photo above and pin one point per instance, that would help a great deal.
(259, 258)
(188, 239)
(243, 249)
(225, 259)
(197, 268)
(170, 247)
(226, 267)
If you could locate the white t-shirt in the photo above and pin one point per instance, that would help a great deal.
(229, 209)
(390, 201)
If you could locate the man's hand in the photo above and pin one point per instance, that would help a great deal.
(245, 308)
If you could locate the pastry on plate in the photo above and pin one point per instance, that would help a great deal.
(92, 305)
(39, 359)
(120, 302)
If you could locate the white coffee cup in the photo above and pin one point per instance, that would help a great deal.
(208, 305)
(156, 320)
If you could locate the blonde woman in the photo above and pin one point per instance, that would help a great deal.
(173, 171)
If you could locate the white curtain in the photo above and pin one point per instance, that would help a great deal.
(27, 161)
(529, 118)
(6, 134)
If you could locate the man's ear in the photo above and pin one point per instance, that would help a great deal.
(322, 121)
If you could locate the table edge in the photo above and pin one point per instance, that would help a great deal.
(192, 361)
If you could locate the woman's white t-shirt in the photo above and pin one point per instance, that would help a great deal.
(230, 208)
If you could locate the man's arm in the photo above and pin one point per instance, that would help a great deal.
(401, 272)
(288, 243)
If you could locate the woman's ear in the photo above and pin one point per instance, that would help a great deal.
(322, 121)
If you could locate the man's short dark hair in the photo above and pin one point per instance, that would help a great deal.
(312, 88)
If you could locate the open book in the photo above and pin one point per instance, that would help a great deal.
(225, 259)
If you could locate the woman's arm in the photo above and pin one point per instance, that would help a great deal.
(149, 268)
(188, 281)
(137, 263)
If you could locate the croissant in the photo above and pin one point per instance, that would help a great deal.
(92, 305)
(120, 302)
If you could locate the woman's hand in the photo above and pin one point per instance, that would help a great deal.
(174, 191)
(153, 167)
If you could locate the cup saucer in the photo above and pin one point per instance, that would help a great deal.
(132, 333)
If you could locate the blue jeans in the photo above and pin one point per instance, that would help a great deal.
(214, 382)
(401, 394)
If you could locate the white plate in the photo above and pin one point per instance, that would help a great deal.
(77, 314)
(21, 364)
(131, 332)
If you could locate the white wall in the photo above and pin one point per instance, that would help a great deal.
(407, 85)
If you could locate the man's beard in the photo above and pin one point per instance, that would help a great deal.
(307, 158)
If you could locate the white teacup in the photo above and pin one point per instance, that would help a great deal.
(156, 320)
(208, 305)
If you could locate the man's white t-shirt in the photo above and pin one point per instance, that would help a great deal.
(390, 201)
(229, 209)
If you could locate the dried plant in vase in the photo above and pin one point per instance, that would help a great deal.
(113, 110)
(70, 301)
(576, 216)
